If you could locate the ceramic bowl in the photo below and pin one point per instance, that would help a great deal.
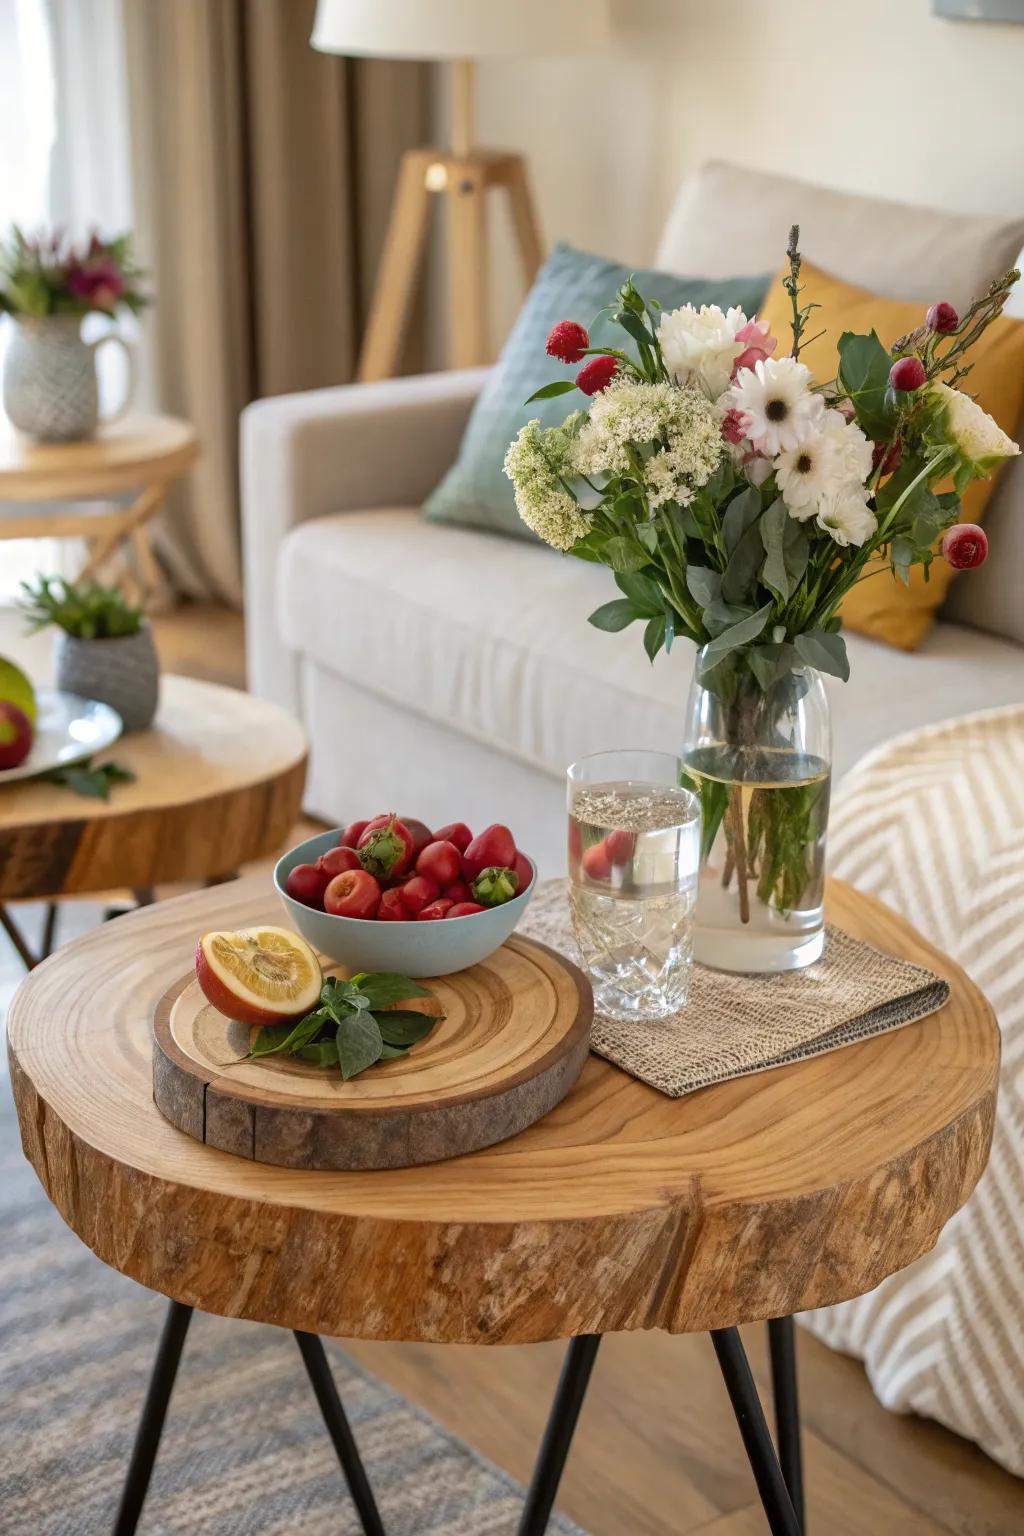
(411, 949)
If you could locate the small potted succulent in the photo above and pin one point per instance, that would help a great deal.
(104, 647)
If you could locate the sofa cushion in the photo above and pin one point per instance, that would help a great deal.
(571, 285)
(730, 219)
(491, 638)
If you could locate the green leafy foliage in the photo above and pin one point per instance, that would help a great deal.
(92, 781)
(46, 274)
(864, 366)
(355, 1024)
(86, 610)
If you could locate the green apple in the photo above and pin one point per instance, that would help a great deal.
(16, 689)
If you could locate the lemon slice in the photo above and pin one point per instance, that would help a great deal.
(259, 975)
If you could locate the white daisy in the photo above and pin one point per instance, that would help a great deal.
(845, 514)
(804, 474)
(853, 448)
(779, 406)
(700, 347)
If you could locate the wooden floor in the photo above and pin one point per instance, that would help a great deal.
(657, 1452)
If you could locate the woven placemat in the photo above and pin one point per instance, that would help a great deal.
(734, 1025)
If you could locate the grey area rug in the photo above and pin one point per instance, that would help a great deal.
(244, 1451)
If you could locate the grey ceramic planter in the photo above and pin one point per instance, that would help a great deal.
(123, 673)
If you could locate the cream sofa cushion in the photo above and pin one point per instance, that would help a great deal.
(730, 219)
(490, 637)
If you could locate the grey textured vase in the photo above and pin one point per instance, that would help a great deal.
(50, 388)
(122, 672)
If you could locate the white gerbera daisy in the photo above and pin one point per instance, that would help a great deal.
(845, 514)
(853, 448)
(779, 406)
(699, 346)
(804, 474)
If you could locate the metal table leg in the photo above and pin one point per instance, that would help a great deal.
(319, 1370)
(782, 1347)
(739, 1382)
(154, 1411)
(554, 1450)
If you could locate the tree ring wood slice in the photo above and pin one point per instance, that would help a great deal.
(513, 1041)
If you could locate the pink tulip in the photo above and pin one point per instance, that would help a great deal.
(759, 344)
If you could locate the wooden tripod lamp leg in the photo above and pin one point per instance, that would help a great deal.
(467, 263)
(399, 266)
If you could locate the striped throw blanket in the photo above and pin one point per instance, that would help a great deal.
(933, 824)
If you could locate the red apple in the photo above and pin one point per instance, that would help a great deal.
(307, 883)
(15, 735)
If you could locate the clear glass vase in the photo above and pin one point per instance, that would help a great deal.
(761, 763)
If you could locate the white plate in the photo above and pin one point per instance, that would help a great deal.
(68, 729)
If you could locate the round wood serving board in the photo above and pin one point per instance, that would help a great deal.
(513, 1040)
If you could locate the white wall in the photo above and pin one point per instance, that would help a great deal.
(876, 96)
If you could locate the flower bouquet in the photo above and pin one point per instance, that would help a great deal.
(48, 274)
(738, 500)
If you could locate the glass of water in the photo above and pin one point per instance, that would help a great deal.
(634, 858)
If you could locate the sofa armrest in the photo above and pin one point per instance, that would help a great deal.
(335, 450)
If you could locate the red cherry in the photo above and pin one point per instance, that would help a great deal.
(907, 374)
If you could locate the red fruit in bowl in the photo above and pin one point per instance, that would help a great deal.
(494, 886)
(457, 891)
(494, 845)
(436, 910)
(464, 909)
(596, 863)
(15, 735)
(455, 832)
(307, 883)
(352, 833)
(618, 845)
(418, 892)
(421, 834)
(441, 862)
(522, 867)
(386, 847)
(392, 908)
(336, 860)
(355, 893)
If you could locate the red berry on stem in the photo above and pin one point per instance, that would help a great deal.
(964, 546)
(354, 894)
(418, 893)
(596, 375)
(455, 832)
(441, 862)
(907, 374)
(352, 833)
(392, 908)
(307, 883)
(336, 860)
(567, 341)
(942, 317)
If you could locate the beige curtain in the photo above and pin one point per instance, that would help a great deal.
(263, 175)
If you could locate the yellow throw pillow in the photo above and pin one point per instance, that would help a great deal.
(882, 606)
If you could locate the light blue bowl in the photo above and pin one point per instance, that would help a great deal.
(411, 949)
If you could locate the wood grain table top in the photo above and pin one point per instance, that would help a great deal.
(621, 1209)
(123, 456)
(218, 781)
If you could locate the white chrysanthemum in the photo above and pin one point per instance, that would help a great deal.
(630, 415)
(846, 516)
(853, 448)
(805, 474)
(700, 347)
(776, 399)
(980, 440)
(537, 463)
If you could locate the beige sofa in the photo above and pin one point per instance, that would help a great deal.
(451, 673)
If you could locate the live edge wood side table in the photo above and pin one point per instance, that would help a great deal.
(621, 1209)
(140, 454)
(218, 782)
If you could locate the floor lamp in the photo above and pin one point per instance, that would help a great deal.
(459, 32)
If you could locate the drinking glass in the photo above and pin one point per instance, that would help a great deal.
(634, 860)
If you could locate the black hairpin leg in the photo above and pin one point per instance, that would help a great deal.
(319, 1370)
(778, 1506)
(554, 1450)
(17, 938)
(147, 1437)
(782, 1347)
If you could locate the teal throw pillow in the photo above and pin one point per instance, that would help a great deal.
(571, 285)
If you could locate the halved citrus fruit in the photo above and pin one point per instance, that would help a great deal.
(259, 975)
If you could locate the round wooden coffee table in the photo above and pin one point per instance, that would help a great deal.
(621, 1209)
(218, 781)
(145, 454)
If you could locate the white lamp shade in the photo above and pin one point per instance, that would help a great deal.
(459, 29)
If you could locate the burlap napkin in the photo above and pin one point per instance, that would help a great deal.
(733, 1025)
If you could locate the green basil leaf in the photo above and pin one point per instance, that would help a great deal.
(404, 1026)
(288, 1037)
(383, 988)
(359, 1044)
(390, 1052)
(324, 1053)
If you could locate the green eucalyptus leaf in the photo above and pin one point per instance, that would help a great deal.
(703, 584)
(643, 592)
(654, 635)
(742, 512)
(590, 547)
(738, 634)
(720, 616)
(549, 391)
(903, 554)
(787, 550)
(615, 615)
(670, 628)
(825, 651)
(623, 555)
(740, 579)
